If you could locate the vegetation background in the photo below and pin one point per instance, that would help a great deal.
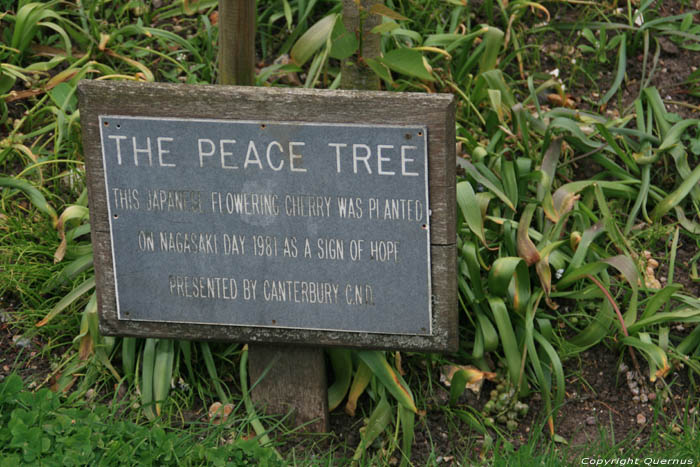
(578, 229)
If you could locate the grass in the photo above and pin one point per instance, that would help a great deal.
(40, 427)
(556, 207)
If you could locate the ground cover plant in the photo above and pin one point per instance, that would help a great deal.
(578, 195)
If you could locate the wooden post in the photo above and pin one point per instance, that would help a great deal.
(296, 376)
(296, 382)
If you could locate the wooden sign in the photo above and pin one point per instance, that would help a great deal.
(272, 215)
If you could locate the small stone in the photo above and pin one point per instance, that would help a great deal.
(635, 391)
(668, 46)
(590, 420)
(644, 398)
(21, 341)
(635, 398)
(641, 419)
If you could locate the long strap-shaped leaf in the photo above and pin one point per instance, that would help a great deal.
(378, 421)
(390, 378)
(623, 264)
(507, 271)
(341, 362)
(32, 193)
(508, 340)
(148, 362)
(363, 375)
(163, 371)
(469, 207)
(677, 196)
(74, 294)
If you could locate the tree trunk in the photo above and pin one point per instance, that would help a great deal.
(357, 19)
(237, 42)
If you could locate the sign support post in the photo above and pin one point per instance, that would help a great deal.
(281, 377)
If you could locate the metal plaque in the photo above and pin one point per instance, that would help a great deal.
(286, 225)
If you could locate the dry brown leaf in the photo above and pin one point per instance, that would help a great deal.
(562, 101)
(104, 38)
(219, 413)
(476, 376)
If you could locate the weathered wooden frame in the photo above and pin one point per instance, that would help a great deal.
(435, 111)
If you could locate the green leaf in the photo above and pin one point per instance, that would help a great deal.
(493, 40)
(363, 375)
(211, 369)
(621, 68)
(32, 193)
(163, 371)
(385, 27)
(509, 277)
(379, 69)
(313, 39)
(526, 248)
(10, 386)
(63, 95)
(468, 205)
(654, 354)
(72, 296)
(659, 299)
(673, 137)
(685, 315)
(407, 420)
(673, 199)
(470, 255)
(480, 178)
(129, 355)
(389, 377)
(343, 43)
(6, 81)
(378, 421)
(407, 61)
(508, 340)
(383, 10)
(147, 362)
(341, 362)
